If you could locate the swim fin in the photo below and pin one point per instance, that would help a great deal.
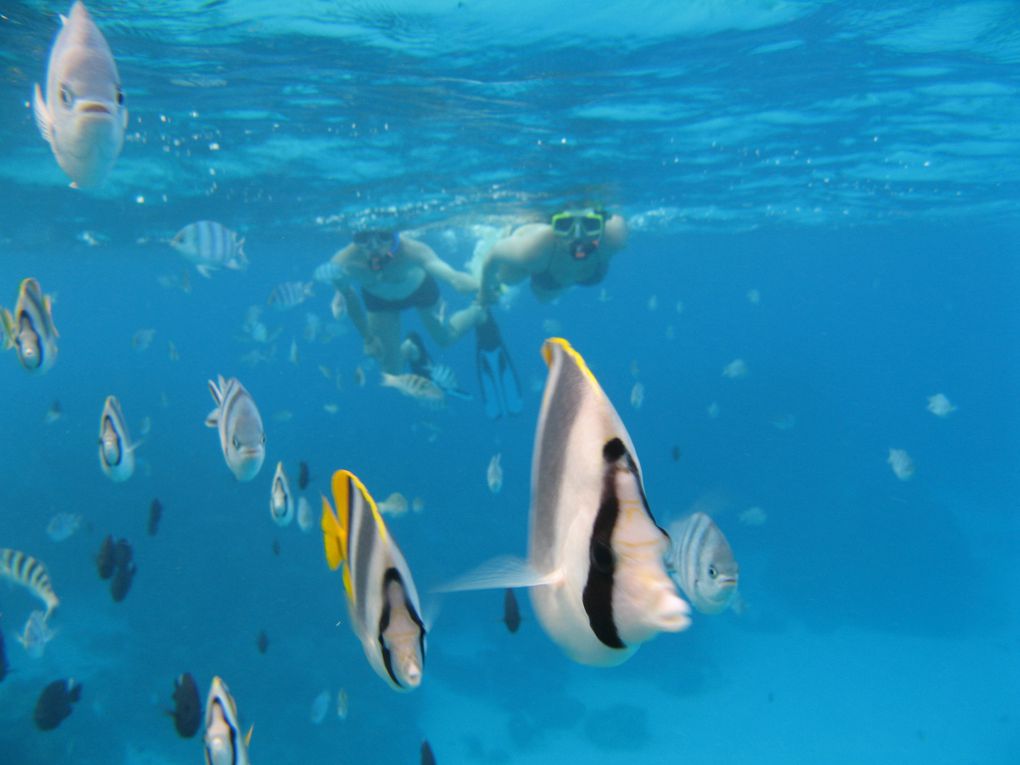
(416, 355)
(501, 390)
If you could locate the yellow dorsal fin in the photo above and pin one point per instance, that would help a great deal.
(547, 355)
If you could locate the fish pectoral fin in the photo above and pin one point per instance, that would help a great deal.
(333, 536)
(213, 419)
(500, 573)
(205, 271)
(42, 115)
(247, 736)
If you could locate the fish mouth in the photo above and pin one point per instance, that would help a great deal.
(728, 581)
(94, 107)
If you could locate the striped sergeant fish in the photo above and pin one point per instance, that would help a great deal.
(417, 387)
(28, 572)
(30, 328)
(116, 452)
(237, 419)
(281, 501)
(224, 743)
(381, 596)
(83, 116)
(702, 563)
(595, 565)
(210, 246)
(287, 295)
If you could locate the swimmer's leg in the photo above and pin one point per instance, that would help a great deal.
(384, 329)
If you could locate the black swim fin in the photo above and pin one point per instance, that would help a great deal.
(501, 390)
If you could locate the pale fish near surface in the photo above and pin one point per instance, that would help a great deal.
(940, 406)
(320, 706)
(637, 395)
(901, 463)
(494, 473)
(63, 526)
(82, 116)
(735, 370)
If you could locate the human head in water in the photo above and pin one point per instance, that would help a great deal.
(380, 244)
(582, 229)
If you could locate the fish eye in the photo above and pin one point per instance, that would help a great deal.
(713, 571)
(263, 439)
(120, 97)
(236, 442)
(602, 557)
(65, 95)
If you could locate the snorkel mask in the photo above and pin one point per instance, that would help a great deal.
(381, 243)
(583, 228)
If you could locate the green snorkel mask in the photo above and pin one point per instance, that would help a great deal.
(583, 227)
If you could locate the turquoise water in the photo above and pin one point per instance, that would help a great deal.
(858, 165)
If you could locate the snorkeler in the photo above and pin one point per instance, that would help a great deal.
(395, 273)
(574, 248)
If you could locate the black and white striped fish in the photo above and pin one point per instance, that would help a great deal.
(595, 567)
(210, 246)
(242, 437)
(25, 570)
(224, 742)
(702, 563)
(281, 501)
(287, 295)
(381, 597)
(423, 389)
(30, 329)
(116, 452)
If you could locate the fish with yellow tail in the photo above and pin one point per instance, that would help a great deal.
(281, 501)
(30, 329)
(82, 117)
(116, 451)
(595, 568)
(224, 743)
(239, 424)
(381, 597)
(702, 563)
(24, 570)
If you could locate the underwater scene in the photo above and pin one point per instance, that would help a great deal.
(509, 383)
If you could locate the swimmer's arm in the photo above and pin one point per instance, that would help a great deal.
(516, 257)
(426, 257)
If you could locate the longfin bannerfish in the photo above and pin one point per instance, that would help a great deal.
(381, 597)
(82, 116)
(239, 424)
(30, 328)
(595, 567)
(703, 564)
(25, 570)
(116, 451)
(224, 742)
(281, 501)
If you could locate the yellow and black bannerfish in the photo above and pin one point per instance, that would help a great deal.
(25, 570)
(224, 742)
(30, 329)
(381, 596)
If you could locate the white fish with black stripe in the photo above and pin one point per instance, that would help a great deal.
(281, 501)
(702, 563)
(116, 450)
(24, 570)
(30, 329)
(599, 586)
(83, 116)
(224, 742)
(237, 419)
(210, 246)
(381, 597)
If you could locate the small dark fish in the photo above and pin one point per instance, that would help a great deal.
(121, 584)
(187, 712)
(155, 513)
(104, 560)
(303, 478)
(4, 666)
(262, 641)
(54, 703)
(427, 758)
(276, 547)
(511, 613)
(676, 454)
(122, 554)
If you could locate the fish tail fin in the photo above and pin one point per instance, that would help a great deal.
(499, 573)
(10, 328)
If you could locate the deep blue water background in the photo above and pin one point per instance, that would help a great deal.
(776, 147)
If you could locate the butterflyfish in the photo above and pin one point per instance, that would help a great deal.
(224, 742)
(116, 451)
(30, 329)
(281, 501)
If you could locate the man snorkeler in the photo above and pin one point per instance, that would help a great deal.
(395, 273)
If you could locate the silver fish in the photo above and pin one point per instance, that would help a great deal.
(210, 246)
(417, 387)
(381, 596)
(116, 452)
(237, 419)
(901, 463)
(224, 742)
(30, 329)
(26, 571)
(595, 564)
(83, 116)
(703, 564)
(63, 526)
(494, 474)
(36, 634)
(287, 295)
(281, 501)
